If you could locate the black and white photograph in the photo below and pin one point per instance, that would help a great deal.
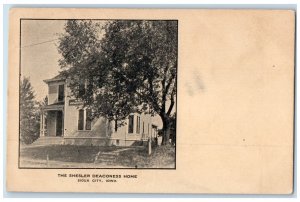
(98, 93)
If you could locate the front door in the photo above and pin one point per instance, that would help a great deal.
(59, 123)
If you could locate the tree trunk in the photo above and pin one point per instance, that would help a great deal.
(166, 129)
(166, 136)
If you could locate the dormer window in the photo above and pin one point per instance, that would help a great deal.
(61, 93)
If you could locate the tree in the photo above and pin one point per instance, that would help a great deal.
(173, 129)
(127, 66)
(29, 113)
(44, 102)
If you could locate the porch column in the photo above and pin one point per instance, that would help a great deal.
(42, 124)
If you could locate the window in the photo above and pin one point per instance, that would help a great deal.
(85, 120)
(80, 119)
(61, 92)
(88, 120)
(143, 127)
(116, 125)
(138, 124)
(130, 123)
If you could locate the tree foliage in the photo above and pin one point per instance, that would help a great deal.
(127, 66)
(29, 113)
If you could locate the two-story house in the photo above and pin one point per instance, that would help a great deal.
(65, 118)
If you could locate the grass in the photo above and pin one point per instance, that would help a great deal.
(134, 157)
(65, 153)
(161, 157)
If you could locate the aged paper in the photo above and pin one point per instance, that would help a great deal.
(234, 106)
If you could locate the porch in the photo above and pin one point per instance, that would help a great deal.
(52, 120)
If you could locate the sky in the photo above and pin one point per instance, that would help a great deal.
(39, 55)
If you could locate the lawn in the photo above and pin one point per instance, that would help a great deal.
(62, 156)
(65, 153)
(161, 157)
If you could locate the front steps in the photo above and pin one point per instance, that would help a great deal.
(106, 157)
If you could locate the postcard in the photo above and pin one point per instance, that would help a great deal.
(151, 101)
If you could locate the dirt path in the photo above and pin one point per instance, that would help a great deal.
(31, 163)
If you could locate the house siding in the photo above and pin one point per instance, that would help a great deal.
(71, 116)
(123, 138)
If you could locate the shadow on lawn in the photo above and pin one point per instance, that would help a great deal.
(65, 153)
(132, 157)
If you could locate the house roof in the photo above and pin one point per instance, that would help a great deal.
(54, 107)
(59, 77)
